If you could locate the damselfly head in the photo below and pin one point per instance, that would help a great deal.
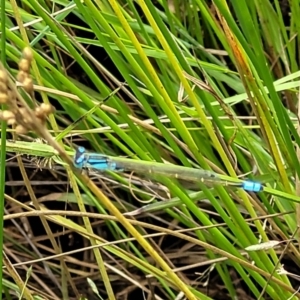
(79, 157)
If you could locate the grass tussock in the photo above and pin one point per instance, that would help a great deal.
(182, 86)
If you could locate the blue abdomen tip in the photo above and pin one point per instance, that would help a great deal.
(252, 186)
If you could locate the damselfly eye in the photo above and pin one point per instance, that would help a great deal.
(81, 149)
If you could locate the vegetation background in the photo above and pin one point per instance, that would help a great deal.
(201, 84)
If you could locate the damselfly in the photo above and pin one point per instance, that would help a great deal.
(102, 162)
